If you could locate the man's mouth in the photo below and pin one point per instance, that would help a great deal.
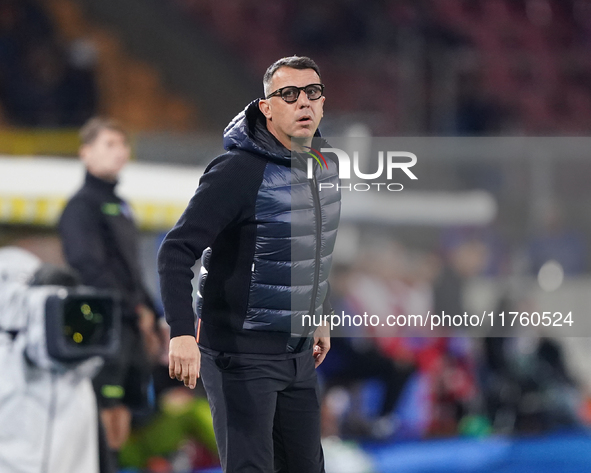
(305, 119)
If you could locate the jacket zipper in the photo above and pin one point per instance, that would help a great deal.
(318, 218)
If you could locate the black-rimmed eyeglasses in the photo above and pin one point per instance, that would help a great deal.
(291, 93)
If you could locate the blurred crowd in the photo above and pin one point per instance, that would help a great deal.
(43, 82)
(466, 67)
(391, 385)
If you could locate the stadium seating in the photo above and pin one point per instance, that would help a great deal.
(124, 88)
(521, 46)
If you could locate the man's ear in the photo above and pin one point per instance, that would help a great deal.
(265, 108)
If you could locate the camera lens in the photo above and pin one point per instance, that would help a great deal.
(84, 321)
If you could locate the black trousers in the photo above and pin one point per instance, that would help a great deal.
(266, 413)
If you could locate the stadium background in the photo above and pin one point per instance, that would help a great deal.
(176, 71)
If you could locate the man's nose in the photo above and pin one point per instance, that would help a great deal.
(303, 100)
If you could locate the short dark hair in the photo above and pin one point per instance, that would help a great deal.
(93, 127)
(295, 62)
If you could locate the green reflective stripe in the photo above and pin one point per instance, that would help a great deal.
(112, 391)
(111, 209)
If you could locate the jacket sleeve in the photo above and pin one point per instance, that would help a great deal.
(222, 198)
(83, 246)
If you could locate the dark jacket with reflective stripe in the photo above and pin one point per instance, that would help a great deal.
(100, 241)
(267, 235)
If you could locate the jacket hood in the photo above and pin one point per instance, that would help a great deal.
(248, 131)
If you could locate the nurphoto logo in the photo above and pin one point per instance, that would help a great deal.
(388, 160)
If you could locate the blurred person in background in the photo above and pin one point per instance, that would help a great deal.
(452, 360)
(260, 379)
(100, 240)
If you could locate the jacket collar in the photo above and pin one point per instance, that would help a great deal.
(107, 187)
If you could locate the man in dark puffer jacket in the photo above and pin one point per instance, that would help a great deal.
(266, 235)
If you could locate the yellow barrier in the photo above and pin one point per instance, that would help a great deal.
(39, 142)
(45, 211)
